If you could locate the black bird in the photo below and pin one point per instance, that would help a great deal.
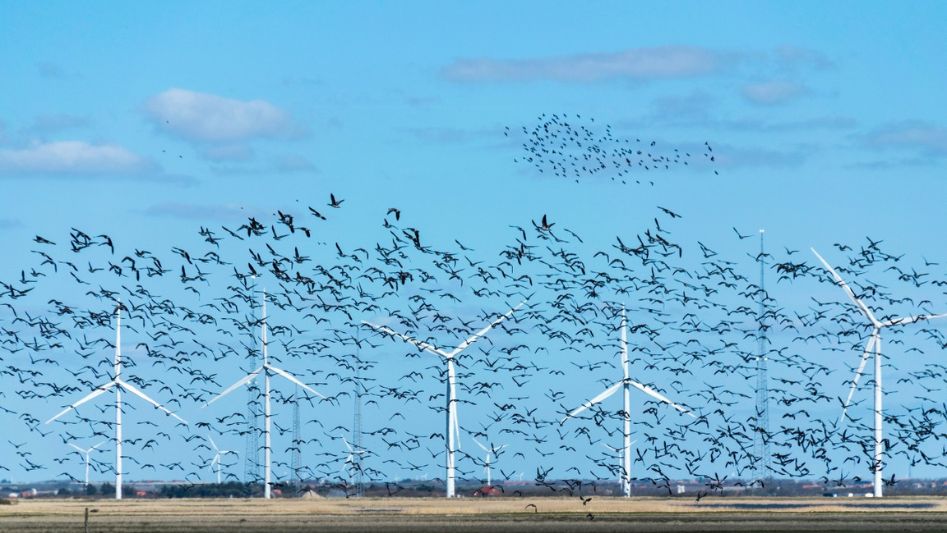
(333, 202)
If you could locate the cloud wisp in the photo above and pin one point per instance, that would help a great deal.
(72, 157)
(773, 92)
(209, 118)
(924, 137)
(637, 64)
(201, 212)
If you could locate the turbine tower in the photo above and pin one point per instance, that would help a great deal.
(218, 453)
(762, 447)
(453, 426)
(268, 370)
(86, 453)
(873, 346)
(625, 385)
(119, 385)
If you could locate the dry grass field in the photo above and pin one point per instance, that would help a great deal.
(501, 514)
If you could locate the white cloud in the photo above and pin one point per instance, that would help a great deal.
(773, 92)
(210, 118)
(71, 157)
(637, 64)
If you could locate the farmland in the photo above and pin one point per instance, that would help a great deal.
(501, 514)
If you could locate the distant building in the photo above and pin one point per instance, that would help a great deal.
(488, 490)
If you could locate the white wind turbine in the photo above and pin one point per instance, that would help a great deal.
(119, 384)
(491, 451)
(873, 345)
(625, 384)
(350, 461)
(453, 426)
(267, 369)
(619, 454)
(218, 453)
(86, 454)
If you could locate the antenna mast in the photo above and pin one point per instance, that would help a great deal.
(357, 422)
(251, 464)
(297, 441)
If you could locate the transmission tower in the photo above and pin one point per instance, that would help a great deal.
(761, 444)
(297, 442)
(251, 464)
(251, 461)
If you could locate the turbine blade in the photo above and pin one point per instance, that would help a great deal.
(214, 444)
(482, 447)
(848, 291)
(99, 444)
(660, 397)
(242, 381)
(473, 338)
(94, 394)
(869, 346)
(605, 394)
(132, 389)
(292, 378)
(909, 319)
(76, 447)
(420, 344)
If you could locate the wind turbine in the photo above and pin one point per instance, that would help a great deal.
(491, 451)
(619, 454)
(873, 345)
(218, 453)
(119, 384)
(453, 426)
(625, 385)
(86, 453)
(350, 460)
(267, 369)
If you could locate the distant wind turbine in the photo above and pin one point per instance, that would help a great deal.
(354, 459)
(119, 384)
(453, 426)
(619, 454)
(218, 453)
(625, 385)
(873, 345)
(267, 369)
(86, 454)
(491, 451)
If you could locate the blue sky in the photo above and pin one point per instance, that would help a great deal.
(146, 121)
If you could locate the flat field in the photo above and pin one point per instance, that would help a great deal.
(899, 515)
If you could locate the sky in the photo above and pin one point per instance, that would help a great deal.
(146, 121)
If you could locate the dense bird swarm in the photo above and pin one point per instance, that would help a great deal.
(191, 326)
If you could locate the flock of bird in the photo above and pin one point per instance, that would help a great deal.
(191, 325)
(568, 146)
